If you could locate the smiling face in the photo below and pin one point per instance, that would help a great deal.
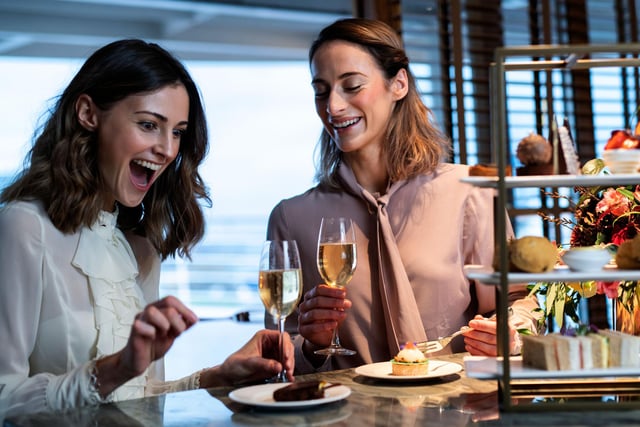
(138, 138)
(354, 100)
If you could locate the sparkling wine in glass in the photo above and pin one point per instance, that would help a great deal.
(336, 263)
(280, 285)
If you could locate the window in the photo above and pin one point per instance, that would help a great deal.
(454, 44)
(263, 129)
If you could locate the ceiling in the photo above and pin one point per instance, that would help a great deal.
(193, 30)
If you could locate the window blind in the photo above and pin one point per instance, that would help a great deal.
(451, 45)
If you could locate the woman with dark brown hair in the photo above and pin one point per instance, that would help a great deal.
(111, 189)
(382, 163)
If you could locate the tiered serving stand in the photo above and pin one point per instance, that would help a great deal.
(523, 389)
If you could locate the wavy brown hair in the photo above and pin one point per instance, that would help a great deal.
(414, 145)
(62, 166)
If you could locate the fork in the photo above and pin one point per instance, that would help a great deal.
(441, 342)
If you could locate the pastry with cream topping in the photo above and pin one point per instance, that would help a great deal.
(409, 362)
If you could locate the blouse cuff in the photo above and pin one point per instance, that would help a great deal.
(94, 385)
(191, 382)
(74, 389)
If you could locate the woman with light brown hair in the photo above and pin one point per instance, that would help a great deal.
(382, 163)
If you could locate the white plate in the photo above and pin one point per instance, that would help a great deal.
(491, 368)
(262, 395)
(382, 370)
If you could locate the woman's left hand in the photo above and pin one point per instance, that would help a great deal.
(257, 360)
(483, 339)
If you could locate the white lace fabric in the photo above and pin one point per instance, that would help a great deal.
(116, 298)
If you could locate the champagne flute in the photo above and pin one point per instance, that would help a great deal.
(336, 258)
(280, 285)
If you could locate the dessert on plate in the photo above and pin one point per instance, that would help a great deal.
(301, 390)
(409, 362)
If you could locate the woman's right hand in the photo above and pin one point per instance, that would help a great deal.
(321, 311)
(153, 332)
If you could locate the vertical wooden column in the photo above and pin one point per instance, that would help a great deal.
(388, 11)
(578, 32)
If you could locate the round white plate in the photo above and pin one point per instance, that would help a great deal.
(382, 370)
(262, 395)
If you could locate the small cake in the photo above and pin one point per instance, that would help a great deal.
(531, 170)
(535, 153)
(409, 362)
(302, 390)
(486, 169)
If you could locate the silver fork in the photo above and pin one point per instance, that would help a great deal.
(441, 342)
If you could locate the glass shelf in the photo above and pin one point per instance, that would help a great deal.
(484, 367)
(561, 273)
(554, 180)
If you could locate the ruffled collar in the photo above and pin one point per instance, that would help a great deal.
(103, 251)
(106, 258)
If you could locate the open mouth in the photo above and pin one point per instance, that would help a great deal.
(345, 124)
(142, 172)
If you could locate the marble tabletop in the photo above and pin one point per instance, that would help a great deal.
(451, 400)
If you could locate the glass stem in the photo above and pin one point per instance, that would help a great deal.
(335, 341)
(282, 376)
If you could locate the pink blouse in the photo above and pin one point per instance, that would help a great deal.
(412, 243)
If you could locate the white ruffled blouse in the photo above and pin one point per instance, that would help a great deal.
(66, 300)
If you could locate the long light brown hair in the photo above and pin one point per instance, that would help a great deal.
(62, 166)
(414, 144)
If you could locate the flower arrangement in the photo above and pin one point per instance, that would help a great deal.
(603, 216)
(606, 215)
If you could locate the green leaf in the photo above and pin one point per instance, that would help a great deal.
(559, 311)
(626, 193)
(536, 289)
(551, 298)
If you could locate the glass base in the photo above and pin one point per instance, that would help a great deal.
(335, 351)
